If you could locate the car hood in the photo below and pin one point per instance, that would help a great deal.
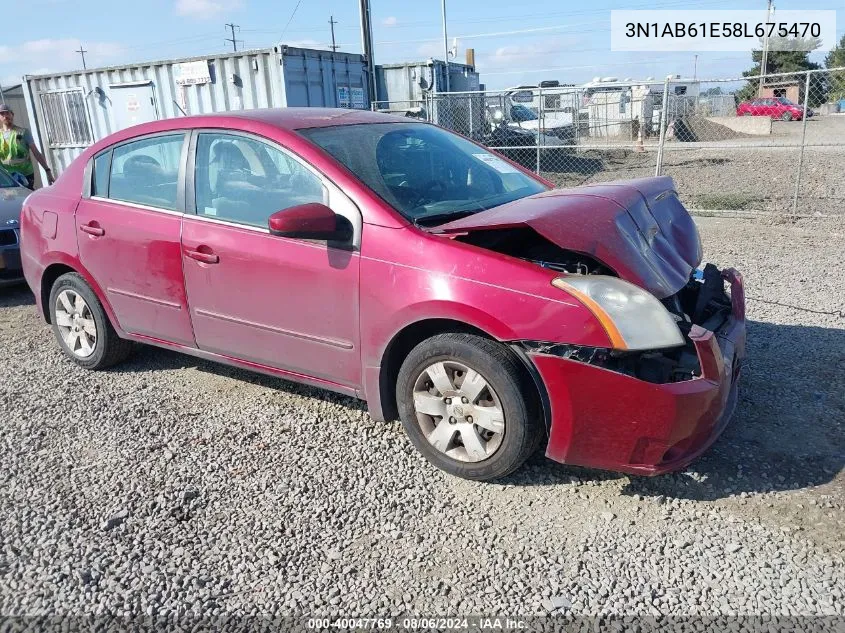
(11, 201)
(638, 228)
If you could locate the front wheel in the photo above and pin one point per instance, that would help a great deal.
(468, 406)
(786, 116)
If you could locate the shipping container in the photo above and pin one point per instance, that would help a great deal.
(409, 82)
(70, 111)
(407, 89)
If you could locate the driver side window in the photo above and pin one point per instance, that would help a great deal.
(243, 180)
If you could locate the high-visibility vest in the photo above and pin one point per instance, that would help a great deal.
(14, 152)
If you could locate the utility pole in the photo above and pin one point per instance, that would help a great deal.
(764, 60)
(232, 39)
(445, 44)
(332, 22)
(367, 47)
(82, 52)
(695, 68)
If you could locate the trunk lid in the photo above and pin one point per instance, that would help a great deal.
(639, 228)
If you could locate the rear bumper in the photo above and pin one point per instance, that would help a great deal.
(603, 419)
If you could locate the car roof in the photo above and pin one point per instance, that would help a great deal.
(301, 118)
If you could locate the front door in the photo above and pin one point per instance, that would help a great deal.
(133, 104)
(286, 303)
(128, 234)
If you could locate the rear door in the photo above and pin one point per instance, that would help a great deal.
(285, 303)
(128, 231)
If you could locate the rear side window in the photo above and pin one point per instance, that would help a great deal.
(100, 182)
(147, 171)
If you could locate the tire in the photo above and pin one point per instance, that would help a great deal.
(746, 114)
(466, 449)
(96, 345)
(786, 116)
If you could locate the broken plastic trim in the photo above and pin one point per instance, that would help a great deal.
(654, 366)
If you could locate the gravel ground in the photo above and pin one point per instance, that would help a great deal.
(173, 486)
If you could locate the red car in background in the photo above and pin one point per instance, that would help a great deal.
(774, 107)
(403, 264)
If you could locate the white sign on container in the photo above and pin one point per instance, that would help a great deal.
(188, 73)
(358, 98)
(342, 97)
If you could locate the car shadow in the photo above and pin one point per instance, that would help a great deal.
(786, 433)
(16, 295)
(148, 358)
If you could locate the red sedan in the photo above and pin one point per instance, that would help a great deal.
(774, 107)
(403, 264)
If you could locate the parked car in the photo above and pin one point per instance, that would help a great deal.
(400, 263)
(12, 195)
(775, 107)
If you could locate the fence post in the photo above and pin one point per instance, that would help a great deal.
(803, 141)
(664, 112)
(540, 126)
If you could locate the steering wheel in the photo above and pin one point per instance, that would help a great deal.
(424, 191)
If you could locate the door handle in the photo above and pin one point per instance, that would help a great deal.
(90, 229)
(205, 258)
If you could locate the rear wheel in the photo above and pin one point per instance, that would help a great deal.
(468, 406)
(81, 326)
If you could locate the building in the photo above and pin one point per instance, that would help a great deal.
(72, 110)
(789, 89)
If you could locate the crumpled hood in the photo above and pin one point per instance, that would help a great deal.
(11, 201)
(638, 228)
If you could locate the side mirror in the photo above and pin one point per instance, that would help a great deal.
(311, 221)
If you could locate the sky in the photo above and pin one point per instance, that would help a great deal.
(514, 43)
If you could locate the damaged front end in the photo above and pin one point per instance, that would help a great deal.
(702, 304)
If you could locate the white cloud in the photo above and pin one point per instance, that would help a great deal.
(431, 49)
(525, 55)
(38, 52)
(390, 21)
(206, 9)
(42, 56)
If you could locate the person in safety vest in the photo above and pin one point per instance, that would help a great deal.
(16, 145)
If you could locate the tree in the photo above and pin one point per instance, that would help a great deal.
(836, 80)
(787, 56)
(836, 57)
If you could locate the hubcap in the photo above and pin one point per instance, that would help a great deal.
(459, 412)
(76, 323)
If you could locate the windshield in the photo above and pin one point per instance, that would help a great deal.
(429, 175)
(6, 180)
(785, 101)
(521, 113)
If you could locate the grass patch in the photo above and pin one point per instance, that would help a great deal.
(728, 201)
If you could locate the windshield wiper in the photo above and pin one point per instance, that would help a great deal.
(439, 218)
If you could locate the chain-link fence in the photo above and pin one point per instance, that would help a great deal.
(771, 144)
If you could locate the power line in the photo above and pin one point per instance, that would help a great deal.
(232, 39)
(332, 22)
(82, 52)
(290, 19)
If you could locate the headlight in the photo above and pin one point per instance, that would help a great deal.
(632, 318)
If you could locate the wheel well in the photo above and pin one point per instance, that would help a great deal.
(411, 336)
(48, 278)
